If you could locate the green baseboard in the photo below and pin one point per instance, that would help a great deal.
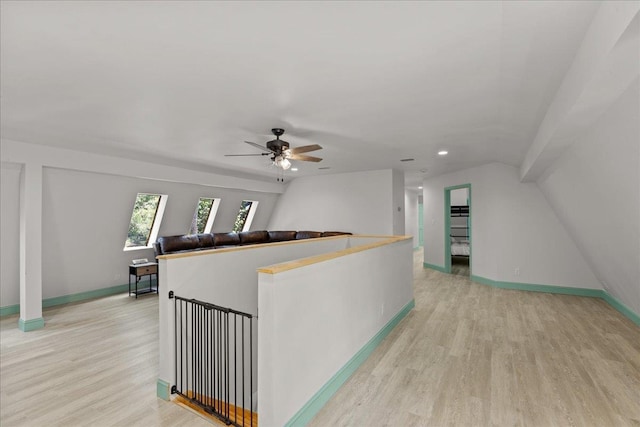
(66, 299)
(626, 311)
(434, 267)
(31, 324)
(9, 310)
(81, 296)
(311, 408)
(564, 290)
(163, 389)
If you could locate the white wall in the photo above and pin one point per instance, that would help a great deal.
(459, 197)
(10, 233)
(512, 227)
(85, 216)
(359, 202)
(22, 152)
(411, 215)
(397, 208)
(594, 188)
(316, 318)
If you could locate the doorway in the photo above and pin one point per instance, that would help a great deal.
(457, 232)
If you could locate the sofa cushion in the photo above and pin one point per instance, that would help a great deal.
(206, 240)
(225, 239)
(252, 237)
(281, 236)
(170, 244)
(334, 233)
(308, 235)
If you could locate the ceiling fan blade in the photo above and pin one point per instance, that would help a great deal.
(305, 158)
(305, 149)
(240, 155)
(253, 144)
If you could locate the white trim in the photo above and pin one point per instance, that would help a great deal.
(212, 214)
(250, 215)
(63, 158)
(155, 228)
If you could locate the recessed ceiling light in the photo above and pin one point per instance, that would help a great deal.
(443, 153)
(420, 188)
(294, 169)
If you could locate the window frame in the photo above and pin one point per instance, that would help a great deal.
(249, 218)
(155, 225)
(213, 211)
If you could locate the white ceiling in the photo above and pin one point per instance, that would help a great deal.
(372, 82)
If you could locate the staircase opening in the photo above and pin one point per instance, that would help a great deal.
(214, 368)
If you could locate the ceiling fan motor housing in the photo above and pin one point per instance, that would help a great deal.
(278, 146)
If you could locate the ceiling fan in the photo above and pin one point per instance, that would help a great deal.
(280, 152)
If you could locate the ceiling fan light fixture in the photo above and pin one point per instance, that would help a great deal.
(282, 162)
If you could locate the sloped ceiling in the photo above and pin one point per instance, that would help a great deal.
(372, 82)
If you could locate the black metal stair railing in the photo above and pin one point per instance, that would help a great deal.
(213, 359)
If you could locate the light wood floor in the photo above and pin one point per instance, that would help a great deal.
(460, 266)
(473, 355)
(94, 364)
(467, 355)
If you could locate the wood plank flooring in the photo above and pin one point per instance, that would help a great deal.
(473, 355)
(94, 364)
(467, 355)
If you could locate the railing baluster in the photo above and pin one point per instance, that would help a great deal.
(205, 363)
(193, 353)
(175, 337)
(250, 368)
(243, 382)
(235, 363)
(226, 361)
(218, 363)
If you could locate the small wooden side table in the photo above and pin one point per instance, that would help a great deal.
(141, 270)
